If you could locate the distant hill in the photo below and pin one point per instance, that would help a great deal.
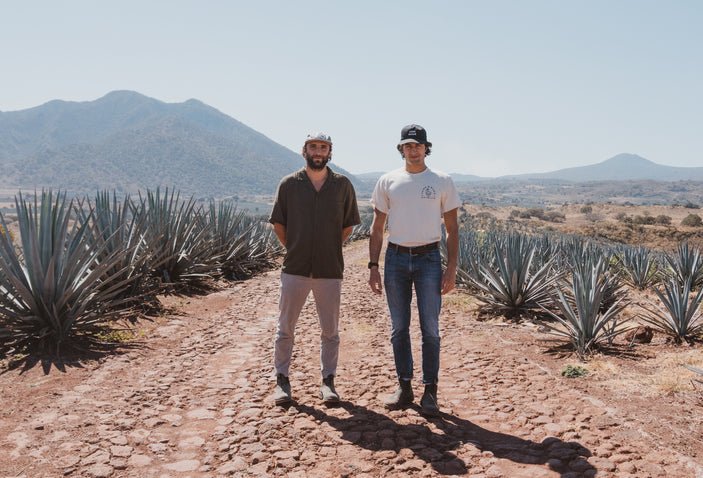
(458, 178)
(372, 176)
(623, 167)
(127, 141)
(467, 178)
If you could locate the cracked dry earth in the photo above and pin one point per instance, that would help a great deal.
(194, 399)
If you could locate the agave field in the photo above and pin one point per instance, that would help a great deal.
(78, 265)
(578, 287)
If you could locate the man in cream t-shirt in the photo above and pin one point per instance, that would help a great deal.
(413, 200)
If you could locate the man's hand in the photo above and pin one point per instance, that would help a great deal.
(451, 225)
(448, 280)
(375, 244)
(375, 280)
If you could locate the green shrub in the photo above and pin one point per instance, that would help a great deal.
(528, 213)
(536, 212)
(594, 217)
(586, 209)
(554, 216)
(574, 372)
(692, 220)
(3, 233)
(646, 220)
(662, 220)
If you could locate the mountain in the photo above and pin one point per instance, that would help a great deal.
(467, 178)
(127, 141)
(623, 167)
(372, 176)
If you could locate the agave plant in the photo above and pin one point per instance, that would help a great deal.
(116, 229)
(686, 262)
(586, 259)
(177, 238)
(243, 243)
(638, 266)
(511, 282)
(361, 231)
(679, 317)
(581, 317)
(256, 249)
(472, 247)
(694, 369)
(54, 284)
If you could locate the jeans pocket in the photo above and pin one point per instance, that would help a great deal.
(434, 256)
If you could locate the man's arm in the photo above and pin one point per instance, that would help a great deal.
(375, 245)
(280, 231)
(452, 227)
(346, 232)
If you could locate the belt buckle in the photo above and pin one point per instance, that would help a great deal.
(412, 249)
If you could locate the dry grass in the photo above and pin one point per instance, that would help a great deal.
(604, 221)
(460, 301)
(660, 374)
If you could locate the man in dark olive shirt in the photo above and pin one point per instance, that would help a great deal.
(314, 213)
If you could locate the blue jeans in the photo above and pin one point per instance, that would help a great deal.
(424, 271)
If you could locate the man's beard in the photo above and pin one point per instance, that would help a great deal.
(314, 166)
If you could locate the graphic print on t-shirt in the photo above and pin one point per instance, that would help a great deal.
(428, 192)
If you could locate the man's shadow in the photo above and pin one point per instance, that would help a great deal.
(374, 431)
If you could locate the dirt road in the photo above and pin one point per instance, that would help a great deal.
(194, 399)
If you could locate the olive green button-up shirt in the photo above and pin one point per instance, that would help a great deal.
(314, 221)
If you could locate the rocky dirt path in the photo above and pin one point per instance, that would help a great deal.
(194, 400)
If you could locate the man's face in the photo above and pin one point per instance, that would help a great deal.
(413, 152)
(317, 154)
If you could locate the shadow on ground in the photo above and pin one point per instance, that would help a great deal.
(76, 357)
(376, 432)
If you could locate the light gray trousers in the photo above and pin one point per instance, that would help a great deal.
(294, 292)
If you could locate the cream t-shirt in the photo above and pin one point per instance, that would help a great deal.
(414, 204)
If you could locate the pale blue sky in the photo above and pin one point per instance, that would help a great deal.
(503, 87)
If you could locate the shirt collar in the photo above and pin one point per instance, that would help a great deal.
(302, 176)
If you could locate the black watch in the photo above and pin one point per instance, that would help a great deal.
(373, 264)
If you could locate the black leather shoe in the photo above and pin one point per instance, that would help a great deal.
(428, 403)
(402, 398)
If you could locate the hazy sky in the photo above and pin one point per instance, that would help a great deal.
(502, 87)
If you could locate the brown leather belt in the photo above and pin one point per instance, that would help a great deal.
(413, 251)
